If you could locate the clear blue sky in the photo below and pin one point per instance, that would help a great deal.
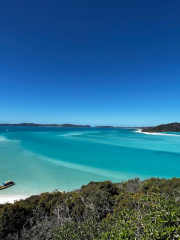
(94, 62)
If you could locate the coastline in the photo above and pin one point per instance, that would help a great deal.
(64, 171)
(156, 133)
(11, 198)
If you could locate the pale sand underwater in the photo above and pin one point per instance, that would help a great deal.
(46, 159)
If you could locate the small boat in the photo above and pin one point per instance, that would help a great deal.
(7, 130)
(7, 184)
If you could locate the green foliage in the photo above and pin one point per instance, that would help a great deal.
(152, 217)
(170, 127)
(135, 209)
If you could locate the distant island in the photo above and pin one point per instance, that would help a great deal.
(170, 127)
(61, 125)
(43, 125)
(118, 127)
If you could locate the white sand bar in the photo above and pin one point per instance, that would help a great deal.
(158, 133)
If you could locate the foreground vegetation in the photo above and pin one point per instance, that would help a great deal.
(134, 209)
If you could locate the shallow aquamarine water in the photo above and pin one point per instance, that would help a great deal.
(45, 159)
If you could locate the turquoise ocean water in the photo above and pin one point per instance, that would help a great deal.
(47, 158)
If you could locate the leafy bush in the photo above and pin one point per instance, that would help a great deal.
(135, 209)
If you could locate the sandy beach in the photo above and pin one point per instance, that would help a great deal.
(10, 198)
(155, 133)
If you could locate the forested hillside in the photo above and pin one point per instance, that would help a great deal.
(170, 127)
(135, 209)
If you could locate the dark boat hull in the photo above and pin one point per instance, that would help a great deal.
(3, 187)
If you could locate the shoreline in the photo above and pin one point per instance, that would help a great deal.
(156, 133)
(11, 198)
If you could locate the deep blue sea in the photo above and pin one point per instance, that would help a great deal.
(47, 158)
